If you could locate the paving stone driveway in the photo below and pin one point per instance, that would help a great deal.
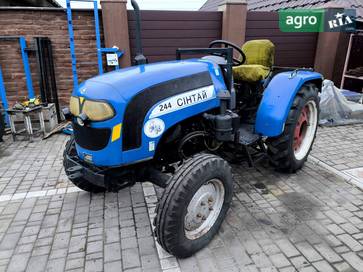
(340, 147)
(309, 221)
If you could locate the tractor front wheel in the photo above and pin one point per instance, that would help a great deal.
(289, 151)
(194, 205)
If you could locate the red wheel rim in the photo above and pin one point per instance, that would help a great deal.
(301, 127)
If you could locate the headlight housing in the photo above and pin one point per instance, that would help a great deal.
(97, 110)
(94, 110)
(74, 106)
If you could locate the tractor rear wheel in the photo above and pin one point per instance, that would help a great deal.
(81, 183)
(194, 204)
(289, 151)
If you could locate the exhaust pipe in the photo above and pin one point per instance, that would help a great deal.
(139, 58)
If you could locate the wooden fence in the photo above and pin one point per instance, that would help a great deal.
(292, 49)
(165, 31)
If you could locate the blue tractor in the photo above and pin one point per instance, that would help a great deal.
(179, 123)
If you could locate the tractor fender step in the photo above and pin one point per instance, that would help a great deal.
(247, 135)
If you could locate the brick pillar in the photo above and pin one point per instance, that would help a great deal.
(330, 51)
(326, 53)
(234, 20)
(116, 27)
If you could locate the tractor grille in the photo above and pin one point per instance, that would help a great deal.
(91, 138)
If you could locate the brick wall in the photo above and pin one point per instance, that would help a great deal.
(162, 33)
(50, 23)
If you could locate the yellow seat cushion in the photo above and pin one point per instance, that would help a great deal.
(259, 59)
(251, 73)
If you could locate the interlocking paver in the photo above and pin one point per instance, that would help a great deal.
(328, 253)
(323, 266)
(261, 260)
(112, 252)
(307, 269)
(55, 265)
(114, 266)
(9, 241)
(150, 261)
(339, 146)
(299, 262)
(354, 260)
(93, 247)
(270, 249)
(19, 262)
(288, 269)
(37, 263)
(74, 263)
(335, 217)
(343, 267)
(306, 221)
(309, 253)
(94, 265)
(130, 258)
(288, 248)
(279, 260)
(335, 229)
(350, 242)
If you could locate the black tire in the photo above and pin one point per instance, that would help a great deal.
(172, 208)
(280, 149)
(81, 183)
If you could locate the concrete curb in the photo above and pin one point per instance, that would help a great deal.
(336, 172)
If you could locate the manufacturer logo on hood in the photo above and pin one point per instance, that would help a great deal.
(154, 128)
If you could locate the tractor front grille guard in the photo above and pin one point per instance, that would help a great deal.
(113, 179)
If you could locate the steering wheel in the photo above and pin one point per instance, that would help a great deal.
(226, 44)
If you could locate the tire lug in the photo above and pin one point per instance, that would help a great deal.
(204, 218)
(202, 204)
(199, 215)
(211, 208)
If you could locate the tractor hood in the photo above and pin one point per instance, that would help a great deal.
(135, 93)
(125, 83)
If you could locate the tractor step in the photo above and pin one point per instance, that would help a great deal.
(251, 143)
(247, 135)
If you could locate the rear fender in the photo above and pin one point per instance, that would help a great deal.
(278, 98)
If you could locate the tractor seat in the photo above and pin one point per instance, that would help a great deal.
(259, 60)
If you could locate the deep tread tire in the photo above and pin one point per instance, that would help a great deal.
(280, 149)
(172, 208)
(81, 183)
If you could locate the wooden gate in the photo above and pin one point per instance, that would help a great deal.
(165, 31)
(292, 49)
